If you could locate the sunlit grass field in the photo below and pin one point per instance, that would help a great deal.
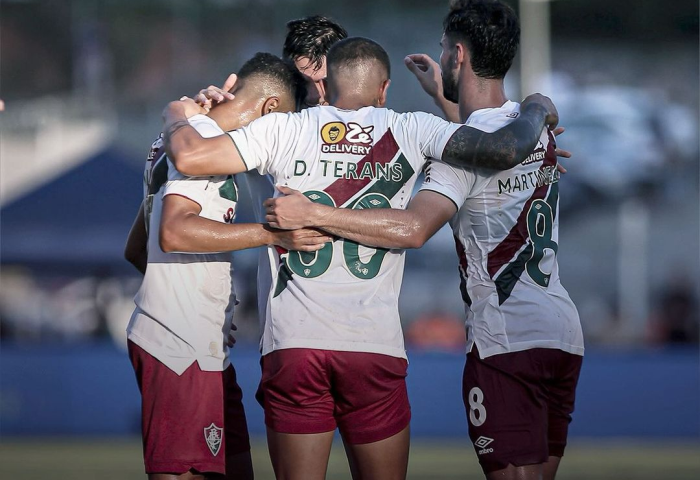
(104, 459)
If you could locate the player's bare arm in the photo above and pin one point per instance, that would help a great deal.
(136, 248)
(381, 227)
(183, 230)
(427, 71)
(193, 154)
(504, 148)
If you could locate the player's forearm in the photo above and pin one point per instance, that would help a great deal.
(194, 234)
(192, 154)
(500, 150)
(382, 227)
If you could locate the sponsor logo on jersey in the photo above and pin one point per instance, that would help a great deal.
(352, 138)
(213, 435)
(537, 155)
(483, 442)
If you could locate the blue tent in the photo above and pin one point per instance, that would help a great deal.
(79, 220)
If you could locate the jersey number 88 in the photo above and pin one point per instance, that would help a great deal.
(311, 265)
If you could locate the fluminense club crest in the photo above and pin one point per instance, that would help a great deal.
(213, 435)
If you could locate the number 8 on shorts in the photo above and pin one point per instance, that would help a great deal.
(477, 411)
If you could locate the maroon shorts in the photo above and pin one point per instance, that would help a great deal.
(190, 421)
(519, 405)
(313, 391)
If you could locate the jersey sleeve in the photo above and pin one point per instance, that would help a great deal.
(267, 144)
(193, 188)
(157, 150)
(455, 184)
(430, 132)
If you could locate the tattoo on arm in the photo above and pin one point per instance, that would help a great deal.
(500, 150)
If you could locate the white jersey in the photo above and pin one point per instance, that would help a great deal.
(506, 232)
(345, 296)
(185, 304)
(260, 188)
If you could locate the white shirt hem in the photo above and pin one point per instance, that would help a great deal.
(485, 352)
(336, 345)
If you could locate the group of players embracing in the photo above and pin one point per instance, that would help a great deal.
(333, 356)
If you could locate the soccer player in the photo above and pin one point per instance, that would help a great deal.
(306, 44)
(333, 353)
(192, 416)
(525, 343)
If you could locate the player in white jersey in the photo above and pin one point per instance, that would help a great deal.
(306, 44)
(185, 304)
(525, 343)
(333, 347)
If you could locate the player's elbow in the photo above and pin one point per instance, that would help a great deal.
(414, 235)
(185, 161)
(170, 238)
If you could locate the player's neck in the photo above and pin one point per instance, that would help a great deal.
(352, 102)
(224, 121)
(476, 93)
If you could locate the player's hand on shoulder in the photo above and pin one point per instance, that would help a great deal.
(560, 151)
(207, 97)
(184, 106)
(302, 239)
(290, 211)
(427, 71)
(552, 118)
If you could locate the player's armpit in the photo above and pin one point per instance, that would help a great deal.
(136, 248)
(192, 154)
(504, 148)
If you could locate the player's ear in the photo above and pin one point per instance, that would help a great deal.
(270, 105)
(381, 100)
(460, 54)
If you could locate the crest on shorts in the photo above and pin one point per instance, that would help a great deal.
(213, 435)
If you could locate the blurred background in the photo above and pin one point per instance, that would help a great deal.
(84, 84)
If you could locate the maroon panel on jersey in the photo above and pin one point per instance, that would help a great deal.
(382, 152)
(518, 235)
(192, 421)
(519, 405)
(312, 391)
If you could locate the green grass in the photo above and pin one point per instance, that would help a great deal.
(105, 459)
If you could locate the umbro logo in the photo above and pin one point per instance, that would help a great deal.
(483, 442)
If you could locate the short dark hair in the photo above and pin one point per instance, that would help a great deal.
(355, 50)
(489, 29)
(311, 37)
(282, 72)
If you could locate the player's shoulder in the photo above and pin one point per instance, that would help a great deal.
(205, 125)
(494, 117)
